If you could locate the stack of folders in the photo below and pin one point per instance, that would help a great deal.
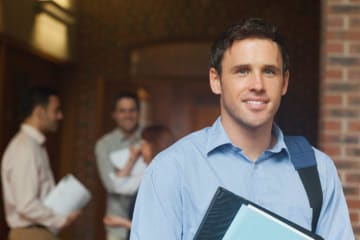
(231, 217)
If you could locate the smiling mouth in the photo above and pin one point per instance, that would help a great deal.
(255, 102)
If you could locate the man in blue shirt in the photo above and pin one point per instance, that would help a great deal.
(243, 151)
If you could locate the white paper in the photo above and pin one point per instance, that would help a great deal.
(127, 185)
(69, 195)
(119, 159)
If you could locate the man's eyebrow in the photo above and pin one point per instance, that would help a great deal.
(272, 67)
(240, 66)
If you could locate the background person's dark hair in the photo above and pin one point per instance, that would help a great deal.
(159, 136)
(36, 96)
(126, 94)
(248, 28)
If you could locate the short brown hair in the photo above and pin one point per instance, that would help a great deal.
(248, 28)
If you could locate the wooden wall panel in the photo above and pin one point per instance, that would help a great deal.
(3, 226)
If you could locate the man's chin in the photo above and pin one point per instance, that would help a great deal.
(128, 130)
(255, 125)
(52, 129)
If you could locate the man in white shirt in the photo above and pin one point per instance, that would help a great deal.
(26, 175)
(126, 135)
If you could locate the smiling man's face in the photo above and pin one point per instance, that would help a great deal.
(251, 84)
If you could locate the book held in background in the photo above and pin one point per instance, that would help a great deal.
(120, 157)
(127, 184)
(69, 195)
(231, 217)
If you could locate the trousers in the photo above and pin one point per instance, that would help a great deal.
(31, 233)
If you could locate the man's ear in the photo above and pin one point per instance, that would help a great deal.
(285, 83)
(38, 111)
(38, 114)
(215, 83)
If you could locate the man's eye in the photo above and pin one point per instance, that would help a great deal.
(243, 71)
(132, 110)
(269, 72)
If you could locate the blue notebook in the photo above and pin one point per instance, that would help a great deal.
(228, 218)
(253, 223)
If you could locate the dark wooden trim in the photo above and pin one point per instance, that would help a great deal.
(3, 226)
(100, 198)
(2, 88)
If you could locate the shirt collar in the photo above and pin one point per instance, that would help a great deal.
(33, 133)
(280, 143)
(217, 137)
(136, 135)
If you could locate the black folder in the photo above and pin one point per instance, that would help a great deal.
(221, 212)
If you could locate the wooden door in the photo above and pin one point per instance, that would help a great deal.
(183, 105)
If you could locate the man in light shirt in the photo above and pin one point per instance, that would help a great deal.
(243, 151)
(26, 175)
(118, 183)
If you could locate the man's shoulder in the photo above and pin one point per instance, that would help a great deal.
(179, 161)
(19, 144)
(21, 140)
(196, 138)
(325, 164)
(322, 157)
(107, 138)
(189, 145)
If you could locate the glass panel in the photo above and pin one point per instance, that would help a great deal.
(51, 36)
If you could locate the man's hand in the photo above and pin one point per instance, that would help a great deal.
(116, 221)
(72, 217)
(135, 153)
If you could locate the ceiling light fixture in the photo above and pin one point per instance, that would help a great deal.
(55, 10)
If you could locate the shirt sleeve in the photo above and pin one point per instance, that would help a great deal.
(334, 221)
(104, 166)
(158, 208)
(26, 187)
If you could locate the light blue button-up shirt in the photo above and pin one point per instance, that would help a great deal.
(181, 181)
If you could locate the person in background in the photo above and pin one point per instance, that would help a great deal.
(126, 135)
(243, 151)
(26, 175)
(154, 139)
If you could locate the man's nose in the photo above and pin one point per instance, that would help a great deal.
(257, 82)
(60, 116)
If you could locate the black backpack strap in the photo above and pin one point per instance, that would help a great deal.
(303, 157)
